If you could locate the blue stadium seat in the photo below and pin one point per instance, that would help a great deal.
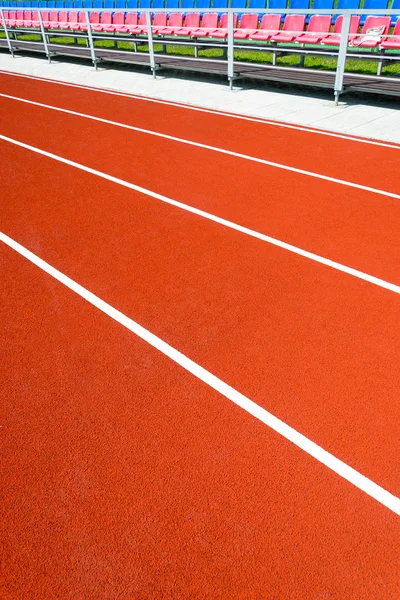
(220, 4)
(203, 4)
(276, 5)
(239, 4)
(69, 4)
(97, 4)
(144, 4)
(322, 5)
(187, 4)
(27, 4)
(371, 5)
(87, 4)
(299, 4)
(78, 4)
(158, 4)
(120, 3)
(51, 4)
(395, 6)
(346, 4)
(60, 4)
(132, 3)
(172, 4)
(109, 4)
(257, 4)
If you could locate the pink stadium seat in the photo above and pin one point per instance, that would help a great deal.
(333, 39)
(94, 19)
(131, 22)
(209, 23)
(11, 18)
(53, 18)
(192, 22)
(140, 26)
(368, 40)
(222, 31)
(76, 25)
(317, 29)
(393, 42)
(270, 25)
(293, 25)
(248, 26)
(105, 20)
(62, 20)
(34, 19)
(27, 17)
(36, 22)
(117, 21)
(174, 22)
(159, 21)
(19, 21)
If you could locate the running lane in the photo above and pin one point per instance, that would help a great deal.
(125, 477)
(317, 348)
(351, 226)
(375, 166)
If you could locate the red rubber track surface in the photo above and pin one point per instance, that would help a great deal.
(125, 477)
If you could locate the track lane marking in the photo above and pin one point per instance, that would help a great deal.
(207, 147)
(336, 465)
(212, 111)
(201, 213)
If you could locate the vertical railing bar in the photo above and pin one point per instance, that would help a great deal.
(3, 20)
(150, 43)
(46, 48)
(90, 39)
(341, 62)
(231, 73)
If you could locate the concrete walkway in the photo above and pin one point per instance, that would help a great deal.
(371, 117)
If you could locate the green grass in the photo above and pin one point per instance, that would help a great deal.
(365, 66)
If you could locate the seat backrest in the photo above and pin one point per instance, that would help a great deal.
(238, 4)
(187, 3)
(322, 5)
(272, 4)
(108, 4)
(224, 21)
(210, 20)
(203, 4)
(132, 4)
(54, 16)
(35, 15)
(63, 16)
(45, 15)
(106, 18)
(131, 18)
(119, 18)
(271, 22)
(319, 23)
(375, 4)
(20, 15)
(372, 21)
(220, 4)
(27, 15)
(257, 4)
(396, 30)
(348, 4)
(94, 18)
(160, 19)
(82, 17)
(192, 20)
(294, 23)
(144, 4)
(143, 19)
(73, 16)
(12, 15)
(354, 24)
(249, 21)
(120, 4)
(299, 4)
(172, 4)
(175, 20)
(158, 4)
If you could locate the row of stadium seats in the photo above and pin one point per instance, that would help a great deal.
(269, 30)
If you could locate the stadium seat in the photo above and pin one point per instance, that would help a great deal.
(175, 22)
(220, 4)
(346, 5)
(275, 5)
(27, 16)
(185, 4)
(33, 22)
(292, 26)
(269, 26)
(317, 29)
(299, 4)
(203, 4)
(10, 17)
(120, 4)
(333, 39)
(53, 19)
(172, 4)
(248, 26)
(94, 19)
(322, 5)
(118, 20)
(105, 20)
(208, 23)
(69, 3)
(239, 4)
(222, 31)
(373, 5)
(131, 22)
(77, 25)
(62, 20)
(109, 4)
(19, 18)
(257, 4)
(132, 4)
(392, 42)
(366, 40)
(192, 22)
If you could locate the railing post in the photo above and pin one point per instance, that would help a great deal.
(341, 62)
(6, 32)
(46, 48)
(150, 42)
(231, 73)
(90, 39)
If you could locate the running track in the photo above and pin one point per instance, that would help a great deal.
(126, 474)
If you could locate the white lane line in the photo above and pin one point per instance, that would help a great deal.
(201, 213)
(207, 147)
(339, 467)
(212, 111)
